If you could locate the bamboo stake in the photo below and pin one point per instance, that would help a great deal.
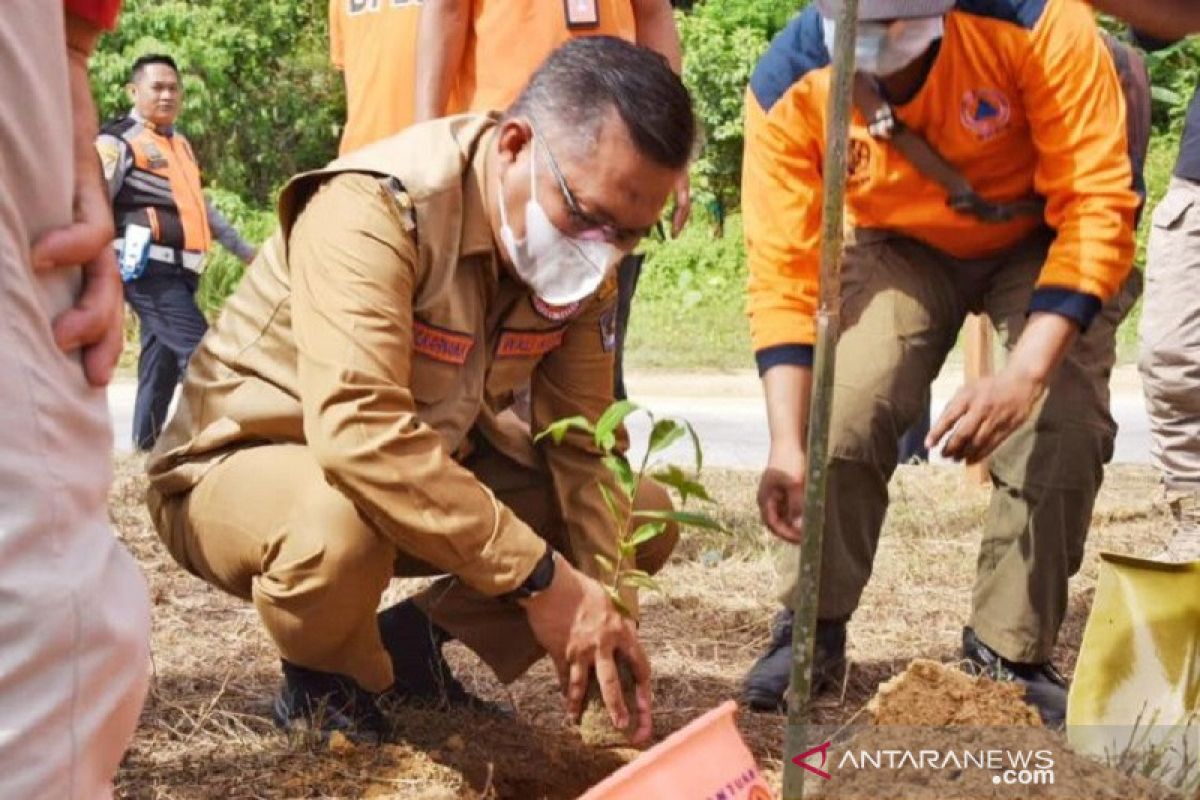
(977, 346)
(804, 604)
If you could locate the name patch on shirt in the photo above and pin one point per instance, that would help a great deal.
(528, 344)
(440, 344)
(985, 112)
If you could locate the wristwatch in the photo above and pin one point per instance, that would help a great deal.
(538, 581)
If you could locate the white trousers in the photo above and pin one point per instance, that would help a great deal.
(74, 611)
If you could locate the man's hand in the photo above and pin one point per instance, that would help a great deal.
(781, 493)
(582, 630)
(985, 413)
(95, 322)
(683, 204)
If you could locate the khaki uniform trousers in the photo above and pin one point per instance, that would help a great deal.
(264, 525)
(1169, 360)
(903, 304)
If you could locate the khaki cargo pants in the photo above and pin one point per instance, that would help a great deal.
(1169, 361)
(903, 304)
(266, 526)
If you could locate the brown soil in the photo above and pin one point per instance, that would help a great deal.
(929, 693)
(938, 709)
(595, 726)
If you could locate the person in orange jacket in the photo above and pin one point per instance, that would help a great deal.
(374, 45)
(1022, 99)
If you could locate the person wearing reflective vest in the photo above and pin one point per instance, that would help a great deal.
(164, 227)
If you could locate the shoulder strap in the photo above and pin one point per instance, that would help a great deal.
(1135, 85)
(882, 124)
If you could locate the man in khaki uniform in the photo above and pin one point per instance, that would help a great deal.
(347, 419)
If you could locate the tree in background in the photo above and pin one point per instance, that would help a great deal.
(722, 41)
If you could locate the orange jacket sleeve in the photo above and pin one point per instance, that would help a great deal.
(337, 49)
(781, 212)
(1076, 116)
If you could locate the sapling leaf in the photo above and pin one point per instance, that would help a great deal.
(640, 579)
(696, 449)
(685, 485)
(611, 503)
(615, 597)
(618, 465)
(605, 432)
(626, 548)
(645, 532)
(605, 562)
(664, 434)
(693, 518)
(557, 430)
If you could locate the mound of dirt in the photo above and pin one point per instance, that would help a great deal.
(928, 693)
(939, 733)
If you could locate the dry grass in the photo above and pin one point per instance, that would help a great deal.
(206, 732)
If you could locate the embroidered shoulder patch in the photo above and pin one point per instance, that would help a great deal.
(110, 154)
(608, 330)
(440, 344)
(528, 344)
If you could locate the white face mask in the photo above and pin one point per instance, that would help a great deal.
(558, 268)
(884, 48)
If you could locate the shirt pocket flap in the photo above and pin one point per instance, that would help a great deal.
(1171, 210)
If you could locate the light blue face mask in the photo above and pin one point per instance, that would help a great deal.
(882, 48)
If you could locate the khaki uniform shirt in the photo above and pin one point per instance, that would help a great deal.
(379, 328)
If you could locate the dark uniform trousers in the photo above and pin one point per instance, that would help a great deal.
(164, 299)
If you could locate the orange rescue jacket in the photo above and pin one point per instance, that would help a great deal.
(1023, 98)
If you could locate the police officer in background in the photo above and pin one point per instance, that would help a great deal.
(164, 226)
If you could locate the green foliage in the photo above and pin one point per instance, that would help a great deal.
(663, 433)
(722, 41)
(261, 101)
(689, 312)
(223, 272)
(1174, 75)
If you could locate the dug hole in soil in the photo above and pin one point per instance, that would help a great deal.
(939, 709)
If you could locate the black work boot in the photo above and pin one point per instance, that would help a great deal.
(326, 702)
(1045, 688)
(765, 685)
(415, 642)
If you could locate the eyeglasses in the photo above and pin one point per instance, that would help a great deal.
(583, 224)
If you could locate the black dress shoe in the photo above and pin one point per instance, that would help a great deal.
(1045, 687)
(765, 685)
(326, 702)
(422, 674)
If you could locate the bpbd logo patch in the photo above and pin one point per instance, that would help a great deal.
(985, 112)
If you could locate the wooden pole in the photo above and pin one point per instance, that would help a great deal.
(804, 604)
(977, 347)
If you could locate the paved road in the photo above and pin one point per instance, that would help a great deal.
(727, 412)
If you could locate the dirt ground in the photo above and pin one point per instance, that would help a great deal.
(206, 731)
